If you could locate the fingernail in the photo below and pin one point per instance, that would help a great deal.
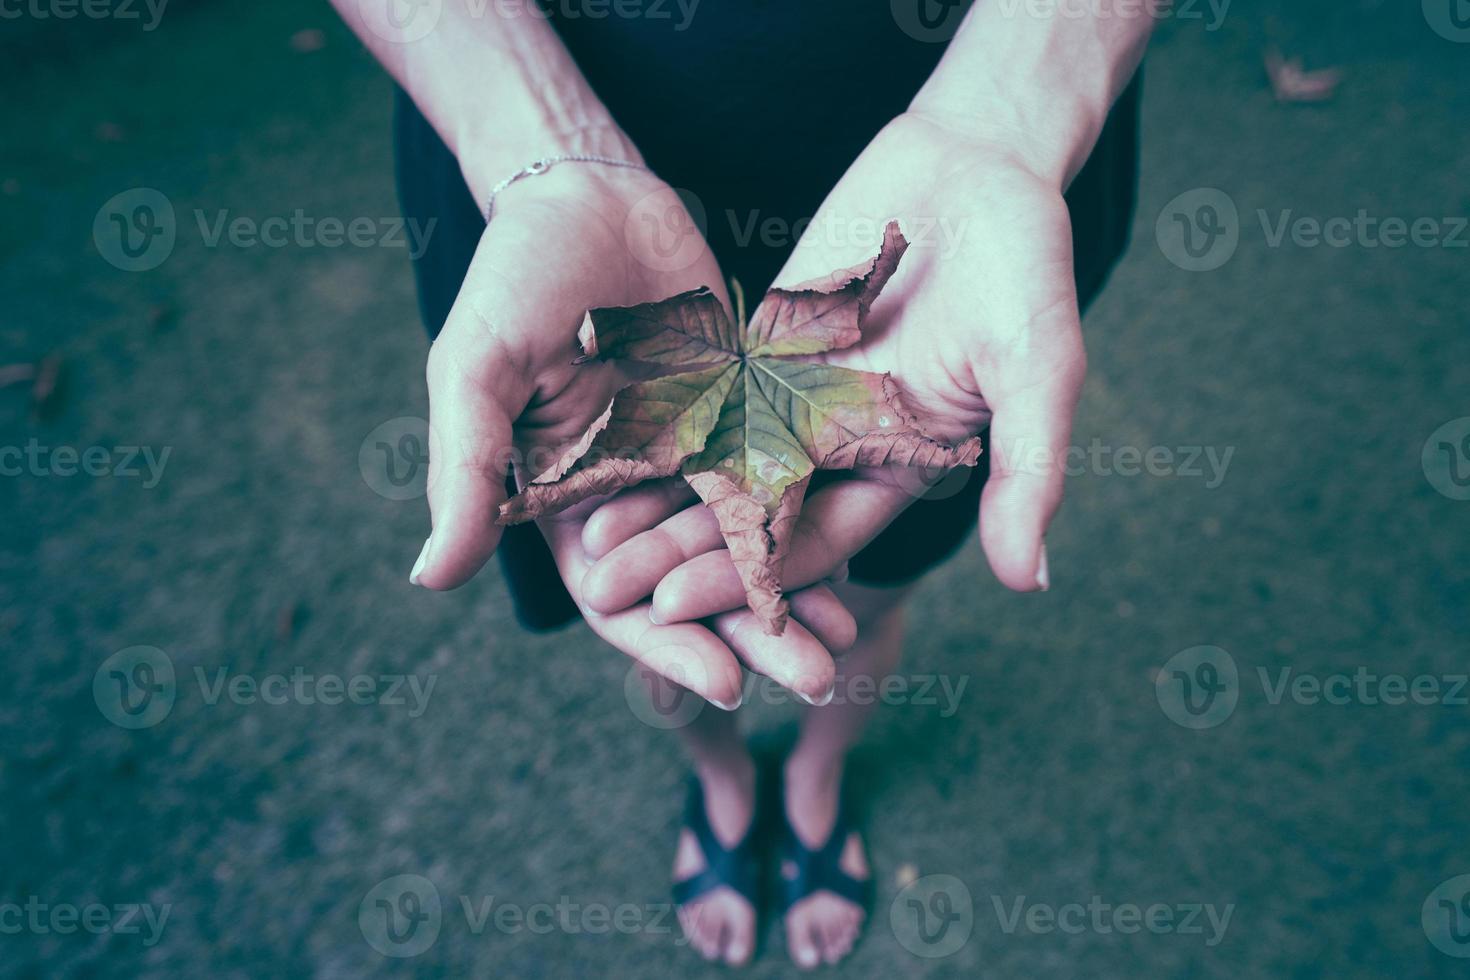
(729, 705)
(822, 701)
(841, 574)
(1043, 574)
(807, 957)
(418, 566)
(655, 618)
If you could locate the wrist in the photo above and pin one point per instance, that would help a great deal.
(1051, 125)
(487, 162)
(1042, 83)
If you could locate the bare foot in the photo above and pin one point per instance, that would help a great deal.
(822, 927)
(720, 924)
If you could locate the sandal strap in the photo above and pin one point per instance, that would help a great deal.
(820, 869)
(735, 867)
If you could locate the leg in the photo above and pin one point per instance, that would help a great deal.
(823, 927)
(720, 924)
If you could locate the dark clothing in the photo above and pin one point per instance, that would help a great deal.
(758, 107)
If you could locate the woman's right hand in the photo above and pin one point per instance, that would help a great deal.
(504, 391)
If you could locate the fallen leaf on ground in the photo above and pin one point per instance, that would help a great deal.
(1292, 84)
(742, 413)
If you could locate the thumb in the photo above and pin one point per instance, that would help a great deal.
(1029, 439)
(479, 383)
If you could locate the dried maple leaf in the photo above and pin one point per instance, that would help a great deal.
(743, 413)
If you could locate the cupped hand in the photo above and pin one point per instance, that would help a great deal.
(979, 326)
(505, 396)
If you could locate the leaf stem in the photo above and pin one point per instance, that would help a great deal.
(739, 302)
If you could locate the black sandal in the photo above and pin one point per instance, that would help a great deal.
(820, 869)
(737, 868)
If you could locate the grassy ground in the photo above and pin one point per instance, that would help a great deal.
(1056, 777)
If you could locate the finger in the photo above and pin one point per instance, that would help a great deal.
(1029, 438)
(633, 512)
(633, 569)
(836, 523)
(796, 659)
(470, 439)
(686, 653)
(820, 611)
(479, 382)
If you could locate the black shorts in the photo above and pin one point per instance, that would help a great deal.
(713, 108)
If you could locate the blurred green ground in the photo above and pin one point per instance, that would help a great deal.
(1325, 549)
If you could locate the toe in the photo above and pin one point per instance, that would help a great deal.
(848, 932)
(737, 950)
(740, 936)
(802, 941)
(832, 941)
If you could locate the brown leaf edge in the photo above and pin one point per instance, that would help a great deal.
(758, 541)
(549, 493)
(909, 445)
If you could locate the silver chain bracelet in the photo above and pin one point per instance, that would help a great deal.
(545, 164)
